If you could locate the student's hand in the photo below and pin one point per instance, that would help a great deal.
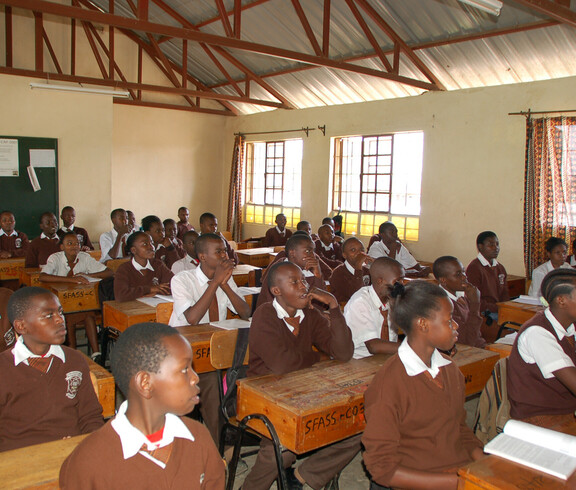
(85, 248)
(160, 289)
(4, 254)
(338, 239)
(323, 297)
(223, 272)
(311, 264)
(361, 259)
(166, 242)
(80, 280)
(472, 293)
(123, 229)
(423, 271)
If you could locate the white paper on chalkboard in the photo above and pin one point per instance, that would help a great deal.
(33, 179)
(43, 158)
(8, 158)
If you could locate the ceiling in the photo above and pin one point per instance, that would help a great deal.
(236, 57)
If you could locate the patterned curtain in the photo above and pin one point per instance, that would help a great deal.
(234, 223)
(550, 185)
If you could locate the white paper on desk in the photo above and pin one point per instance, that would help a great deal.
(166, 298)
(33, 179)
(244, 269)
(527, 300)
(232, 324)
(91, 279)
(43, 158)
(151, 300)
(507, 339)
(247, 291)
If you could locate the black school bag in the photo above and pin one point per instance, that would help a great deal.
(237, 371)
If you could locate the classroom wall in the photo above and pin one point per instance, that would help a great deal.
(473, 171)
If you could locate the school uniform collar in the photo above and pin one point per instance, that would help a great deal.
(558, 328)
(2, 233)
(66, 230)
(485, 262)
(305, 272)
(282, 314)
(415, 366)
(131, 439)
(281, 232)
(327, 247)
(192, 260)
(200, 276)
(351, 269)
(452, 296)
(43, 236)
(139, 268)
(376, 301)
(22, 353)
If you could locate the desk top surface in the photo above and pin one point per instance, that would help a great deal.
(256, 251)
(520, 306)
(134, 307)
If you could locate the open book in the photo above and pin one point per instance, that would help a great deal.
(546, 450)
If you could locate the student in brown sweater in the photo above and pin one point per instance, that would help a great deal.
(166, 250)
(300, 251)
(68, 217)
(46, 244)
(149, 444)
(12, 243)
(183, 225)
(416, 435)
(279, 235)
(7, 334)
(465, 298)
(45, 389)
(541, 366)
(349, 277)
(143, 275)
(209, 224)
(282, 335)
(327, 248)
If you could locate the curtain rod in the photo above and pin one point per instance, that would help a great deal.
(306, 130)
(529, 113)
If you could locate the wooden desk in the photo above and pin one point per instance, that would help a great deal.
(113, 264)
(36, 466)
(95, 254)
(258, 257)
(75, 297)
(104, 386)
(502, 349)
(199, 337)
(30, 276)
(510, 311)
(241, 273)
(10, 268)
(516, 285)
(323, 404)
(122, 314)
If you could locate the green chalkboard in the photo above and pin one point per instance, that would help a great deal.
(16, 193)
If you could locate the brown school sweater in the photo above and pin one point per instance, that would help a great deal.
(40, 249)
(412, 422)
(332, 257)
(343, 284)
(18, 244)
(130, 284)
(275, 350)
(469, 322)
(7, 334)
(491, 281)
(275, 239)
(37, 407)
(171, 254)
(529, 393)
(182, 228)
(82, 235)
(98, 463)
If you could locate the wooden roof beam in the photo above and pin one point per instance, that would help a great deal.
(555, 10)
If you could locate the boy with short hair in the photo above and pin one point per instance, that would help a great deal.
(149, 444)
(209, 224)
(165, 249)
(350, 276)
(327, 248)
(465, 298)
(307, 227)
(279, 235)
(113, 242)
(300, 251)
(171, 231)
(282, 335)
(190, 261)
(183, 225)
(45, 389)
(68, 217)
(368, 311)
(488, 275)
(12, 243)
(390, 246)
(46, 244)
(131, 221)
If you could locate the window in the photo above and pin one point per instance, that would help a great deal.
(376, 179)
(273, 181)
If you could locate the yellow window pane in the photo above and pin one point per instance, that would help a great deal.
(296, 216)
(399, 221)
(269, 216)
(258, 215)
(275, 212)
(249, 214)
(412, 223)
(412, 235)
(351, 224)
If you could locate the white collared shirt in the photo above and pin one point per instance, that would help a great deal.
(281, 232)
(107, 241)
(2, 233)
(538, 346)
(21, 353)
(43, 236)
(538, 275)
(363, 317)
(305, 272)
(185, 264)
(282, 314)
(378, 249)
(415, 366)
(140, 268)
(327, 247)
(132, 439)
(188, 287)
(454, 297)
(66, 230)
(57, 264)
(485, 262)
(351, 269)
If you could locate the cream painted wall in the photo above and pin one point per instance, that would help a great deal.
(473, 173)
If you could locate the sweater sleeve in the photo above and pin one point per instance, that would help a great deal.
(165, 273)
(123, 289)
(31, 256)
(334, 337)
(89, 408)
(214, 467)
(467, 438)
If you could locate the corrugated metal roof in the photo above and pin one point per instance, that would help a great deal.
(525, 56)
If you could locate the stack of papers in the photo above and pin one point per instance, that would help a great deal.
(233, 324)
